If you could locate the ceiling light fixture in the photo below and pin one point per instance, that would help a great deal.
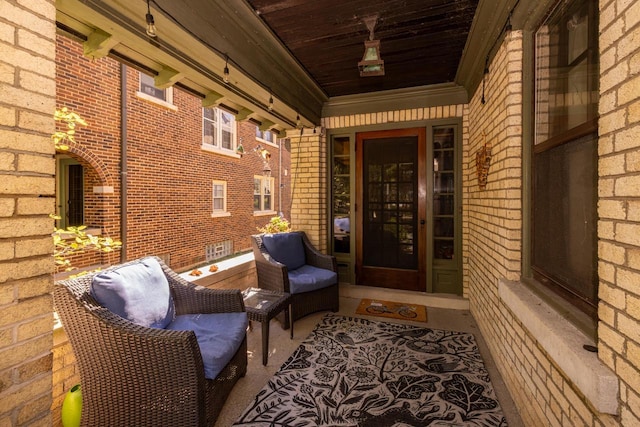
(371, 64)
(226, 69)
(151, 25)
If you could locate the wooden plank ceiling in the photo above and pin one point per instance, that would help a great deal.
(421, 41)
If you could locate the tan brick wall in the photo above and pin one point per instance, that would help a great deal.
(542, 392)
(27, 102)
(308, 189)
(65, 373)
(495, 224)
(619, 200)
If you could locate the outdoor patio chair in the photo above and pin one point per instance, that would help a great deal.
(164, 353)
(288, 262)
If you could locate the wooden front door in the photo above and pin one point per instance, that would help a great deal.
(391, 209)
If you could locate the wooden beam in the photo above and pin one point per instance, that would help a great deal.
(167, 77)
(212, 99)
(99, 44)
(243, 114)
(266, 125)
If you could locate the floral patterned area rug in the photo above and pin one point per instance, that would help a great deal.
(358, 372)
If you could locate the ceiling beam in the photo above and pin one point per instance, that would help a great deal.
(398, 99)
(167, 77)
(487, 32)
(177, 55)
(99, 44)
(486, 28)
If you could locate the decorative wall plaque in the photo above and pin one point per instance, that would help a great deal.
(483, 161)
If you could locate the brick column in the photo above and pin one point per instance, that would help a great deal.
(27, 189)
(619, 200)
(309, 191)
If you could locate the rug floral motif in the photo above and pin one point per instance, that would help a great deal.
(359, 372)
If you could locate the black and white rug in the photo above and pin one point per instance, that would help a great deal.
(358, 372)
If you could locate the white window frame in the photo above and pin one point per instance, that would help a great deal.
(262, 193)
(260, 137)
(167, 102)
(215, 213)
(215, 145)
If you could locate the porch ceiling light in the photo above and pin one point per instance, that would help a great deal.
(226, 69)
(151, 25)
(371, 64)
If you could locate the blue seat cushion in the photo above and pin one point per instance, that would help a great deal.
(309, 278)
(219, 336)
(286, 248)
(139, 292)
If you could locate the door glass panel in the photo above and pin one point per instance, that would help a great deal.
(341, 192)
(390, 198)
(443, 193)
(75, 194)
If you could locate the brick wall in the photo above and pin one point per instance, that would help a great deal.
(542, 391)
(309, 186)
(619, 200)
(169, 192)
(495, 224)
(27, 102)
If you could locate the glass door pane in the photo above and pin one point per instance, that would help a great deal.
(341, 190)
(443, 193)
(390, 199)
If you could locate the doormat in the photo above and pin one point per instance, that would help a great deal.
(392, 310)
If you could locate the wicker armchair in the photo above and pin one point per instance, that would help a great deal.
(133, 375)
(274, 275)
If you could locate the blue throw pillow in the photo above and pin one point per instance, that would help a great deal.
(286, 248)
(138, 292)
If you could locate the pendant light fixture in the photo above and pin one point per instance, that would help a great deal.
(371, 64)
(151, 25)
(226, 69)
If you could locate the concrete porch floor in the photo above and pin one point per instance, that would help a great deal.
(443, 312)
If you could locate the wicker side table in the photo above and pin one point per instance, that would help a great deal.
(263, 305)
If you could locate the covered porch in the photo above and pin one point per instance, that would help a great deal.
(539, 348)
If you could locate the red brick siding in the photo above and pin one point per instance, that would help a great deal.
(169, 175)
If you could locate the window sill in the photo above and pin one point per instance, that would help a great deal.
(221, 151)
(94, 231)
(220, 214)
(226, 268)
(264, 213)
(269, 143)
(563, 343)
(156, 101)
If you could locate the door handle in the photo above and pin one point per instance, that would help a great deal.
(422, 222)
